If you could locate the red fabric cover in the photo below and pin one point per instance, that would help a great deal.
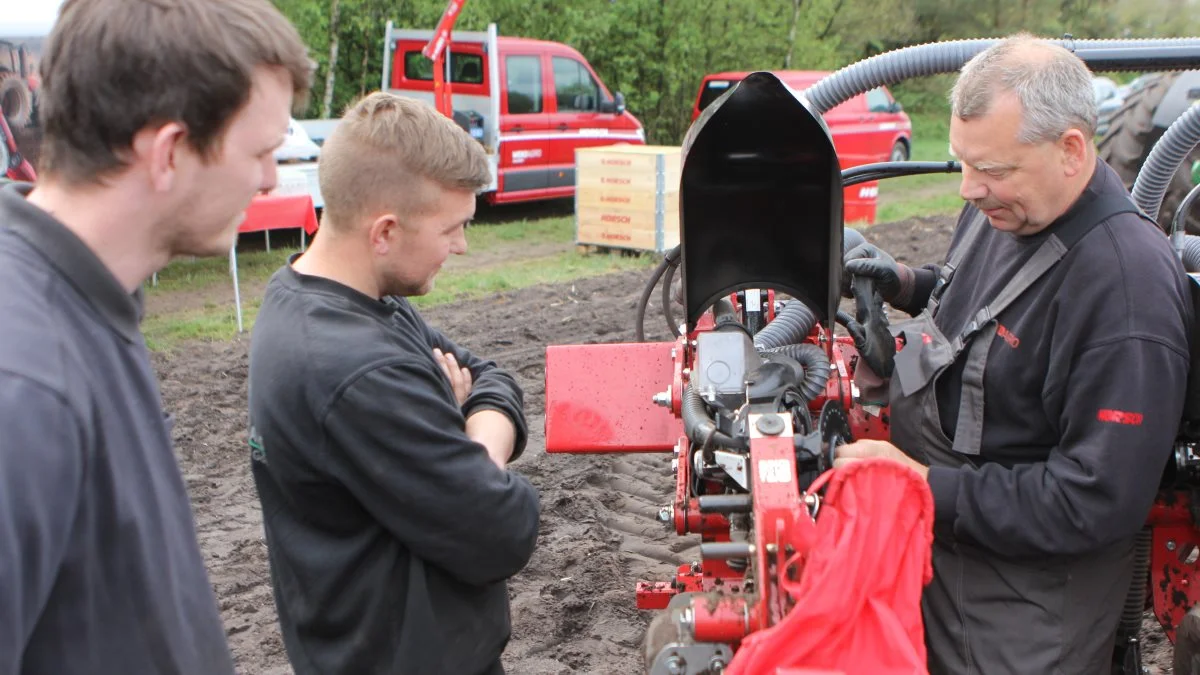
(858, 598)
(279, 212)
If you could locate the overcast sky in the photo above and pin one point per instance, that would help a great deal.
(27, 18)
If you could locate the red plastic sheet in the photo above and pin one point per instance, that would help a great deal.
(858, 599)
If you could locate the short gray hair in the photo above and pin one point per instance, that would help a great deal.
(1053, 86)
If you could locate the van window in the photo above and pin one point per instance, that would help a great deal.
(574, 87)
(524, 84)
(878, 101)
(464, 68)
(713, 90)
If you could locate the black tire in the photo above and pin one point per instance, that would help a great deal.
(1131, 135)
(16, 99)
(899, 152)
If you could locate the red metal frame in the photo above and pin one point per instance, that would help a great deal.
(1174, 557)
(726, 609)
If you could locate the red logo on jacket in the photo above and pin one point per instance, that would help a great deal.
(1006, 335)
(1119, 417)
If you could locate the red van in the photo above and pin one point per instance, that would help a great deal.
(868, 128)
(531, 103)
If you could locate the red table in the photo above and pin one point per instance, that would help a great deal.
(272, 212)
(276, 212)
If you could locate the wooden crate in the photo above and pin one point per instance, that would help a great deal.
(627, 196)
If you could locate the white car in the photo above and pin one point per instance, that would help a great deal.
(298, 146)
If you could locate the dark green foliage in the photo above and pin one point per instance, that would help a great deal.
(656, 51)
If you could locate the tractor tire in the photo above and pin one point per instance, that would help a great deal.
(1131, 135)
(15, 99)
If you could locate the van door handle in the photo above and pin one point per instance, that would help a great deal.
(517, 127)
(562, 127)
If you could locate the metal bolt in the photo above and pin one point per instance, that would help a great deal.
(1171, 545)
(717, 664)
(663, 398)
(675, 665)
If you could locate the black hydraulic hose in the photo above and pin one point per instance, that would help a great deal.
(668, 313)
(947, 57)
(1191, 253)
(792, 324)
(816, 367)
(670, 260)
(865, 173)
(639, 326)
(700, 428)
(1164, 160)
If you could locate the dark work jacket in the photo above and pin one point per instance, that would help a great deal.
(1083, 388)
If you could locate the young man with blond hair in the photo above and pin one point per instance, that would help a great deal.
(161, 117)
(379, 446)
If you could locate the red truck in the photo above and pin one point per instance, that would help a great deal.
(868, 128)
(532, 104)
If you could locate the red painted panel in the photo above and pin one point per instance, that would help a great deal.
(599, 398)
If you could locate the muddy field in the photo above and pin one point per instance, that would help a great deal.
(573, 606)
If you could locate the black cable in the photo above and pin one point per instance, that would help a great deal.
(639, 327)
(866, 173)
(668, 279)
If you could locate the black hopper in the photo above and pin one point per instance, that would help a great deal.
(760, 200)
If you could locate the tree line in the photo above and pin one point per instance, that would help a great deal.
(656, 51)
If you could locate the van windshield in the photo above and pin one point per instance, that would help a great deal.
(712, 91)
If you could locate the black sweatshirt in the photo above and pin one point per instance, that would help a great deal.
(1084, 385)
(100, 571)
(390, 533)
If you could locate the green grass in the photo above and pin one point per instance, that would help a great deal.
(927, 195)
(219, 322)
(201, 273)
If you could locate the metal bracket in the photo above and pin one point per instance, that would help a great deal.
(692, 659)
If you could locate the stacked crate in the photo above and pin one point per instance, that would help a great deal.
(627, 196)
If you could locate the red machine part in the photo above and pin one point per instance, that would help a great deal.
(594, 405)
(783, 527)
(1174, 558)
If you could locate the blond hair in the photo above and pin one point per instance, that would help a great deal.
(382, 152)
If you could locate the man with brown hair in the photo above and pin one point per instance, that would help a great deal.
(379, 446)
(160, 121)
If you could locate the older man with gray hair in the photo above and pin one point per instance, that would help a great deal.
(1041, 380)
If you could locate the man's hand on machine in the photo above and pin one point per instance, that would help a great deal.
(893, 280)
(867, 449)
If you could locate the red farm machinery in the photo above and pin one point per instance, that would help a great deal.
(764, 377)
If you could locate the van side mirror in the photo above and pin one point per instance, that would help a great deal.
(615, 106)
(895, 107)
